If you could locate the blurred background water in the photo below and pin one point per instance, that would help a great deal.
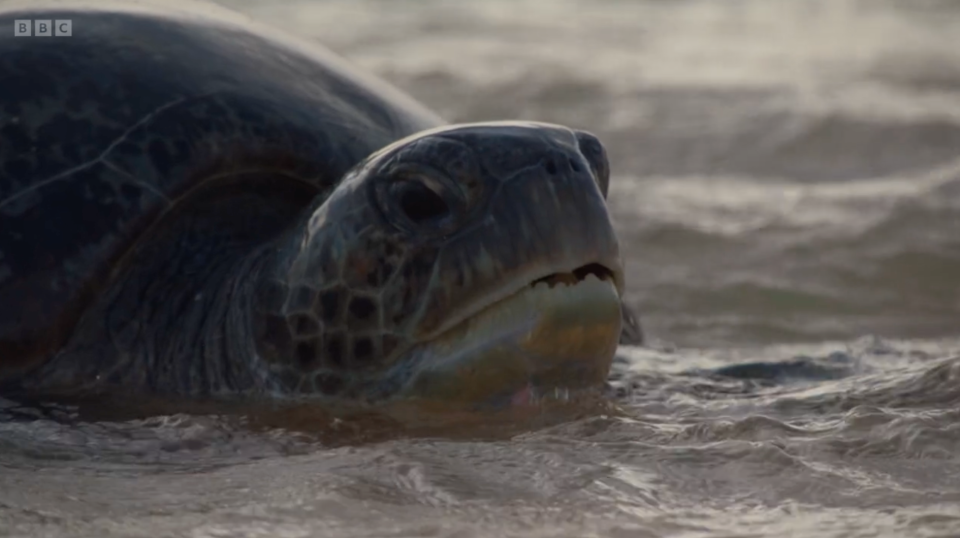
(784, 171)
(787, 189)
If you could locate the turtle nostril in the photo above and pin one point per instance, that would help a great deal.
(551, 167)
(420, 203)
(574, 165)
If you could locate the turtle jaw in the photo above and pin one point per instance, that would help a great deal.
(607, 268)
(554, 333)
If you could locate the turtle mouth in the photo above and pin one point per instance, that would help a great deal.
(528, 280)
(576, 276)
(554, 332)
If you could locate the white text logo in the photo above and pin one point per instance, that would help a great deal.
(42, 27)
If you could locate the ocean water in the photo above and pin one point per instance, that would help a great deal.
(787, 190)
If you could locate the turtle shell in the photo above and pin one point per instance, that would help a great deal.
(104, 132)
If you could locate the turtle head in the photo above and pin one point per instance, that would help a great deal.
(471, 262)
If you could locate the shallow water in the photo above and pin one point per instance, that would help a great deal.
(787, 188)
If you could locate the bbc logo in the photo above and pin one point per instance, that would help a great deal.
(42, 28)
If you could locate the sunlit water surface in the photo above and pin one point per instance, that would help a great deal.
(787, 189)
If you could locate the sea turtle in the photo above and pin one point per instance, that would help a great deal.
(192, 204)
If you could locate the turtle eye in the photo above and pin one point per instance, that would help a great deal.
(419, 202)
